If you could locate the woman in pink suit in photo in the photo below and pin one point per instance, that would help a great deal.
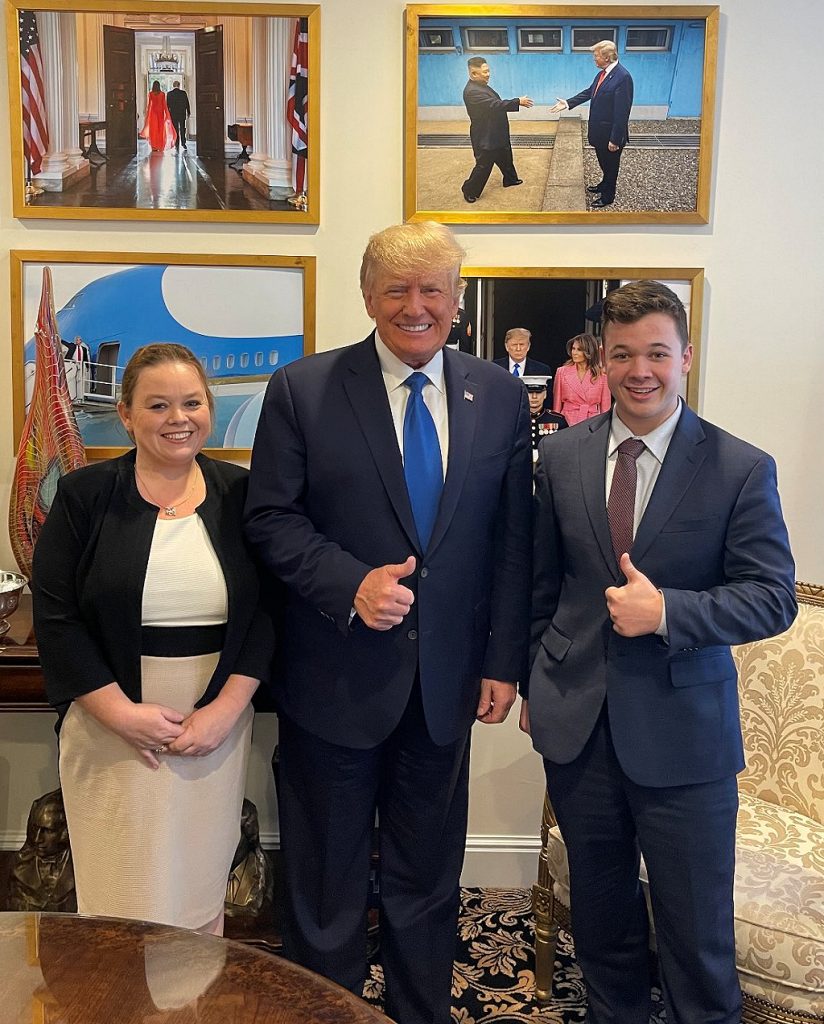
(157, 122)
(580, 388)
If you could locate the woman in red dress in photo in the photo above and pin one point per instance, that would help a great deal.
(157, 122)
(580, 389)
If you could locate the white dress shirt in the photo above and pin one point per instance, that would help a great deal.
(395, 373)
(648, 466)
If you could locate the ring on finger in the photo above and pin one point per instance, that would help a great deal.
(159, 750)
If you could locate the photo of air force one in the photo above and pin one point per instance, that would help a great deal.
(242, 323)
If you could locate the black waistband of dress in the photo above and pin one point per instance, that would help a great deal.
(181, 641)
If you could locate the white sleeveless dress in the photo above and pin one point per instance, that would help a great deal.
(158, 845)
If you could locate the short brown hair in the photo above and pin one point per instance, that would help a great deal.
(156, 354)
(628, 304)
(413, 249)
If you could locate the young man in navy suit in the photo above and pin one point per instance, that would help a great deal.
(610, 101)
(391, 492)
(659, 541)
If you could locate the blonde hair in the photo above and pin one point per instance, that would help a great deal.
(606, 46)
(413, 249)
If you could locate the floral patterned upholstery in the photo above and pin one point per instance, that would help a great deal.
(779, 877)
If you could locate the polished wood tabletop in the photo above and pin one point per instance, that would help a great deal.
(65, 969)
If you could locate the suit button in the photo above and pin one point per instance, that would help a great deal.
(412, 634)
(424, 573)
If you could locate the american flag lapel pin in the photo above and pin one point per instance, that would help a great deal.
(469, 396)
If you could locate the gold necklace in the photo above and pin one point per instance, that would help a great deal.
(169, 510)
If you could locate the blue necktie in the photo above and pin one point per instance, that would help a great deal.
(422, 465)
(515, 372)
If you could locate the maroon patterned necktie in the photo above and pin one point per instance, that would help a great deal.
(621, 502)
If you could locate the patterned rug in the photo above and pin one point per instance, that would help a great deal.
(494, 977)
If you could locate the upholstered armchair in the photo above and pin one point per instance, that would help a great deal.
(779, 877)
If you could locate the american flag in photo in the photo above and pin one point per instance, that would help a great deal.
(296, 103)
(35, 126)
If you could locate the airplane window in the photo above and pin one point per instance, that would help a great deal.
(258, 359)
(230, 362)
(215, 362)
(273, 357)
(244, 359)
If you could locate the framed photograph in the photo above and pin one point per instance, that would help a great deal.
(148, 110)
(242, 316)
(539, 114)
(556, 304)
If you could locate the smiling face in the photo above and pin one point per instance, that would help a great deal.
(413, 313)
(168, 415)
(644, 365)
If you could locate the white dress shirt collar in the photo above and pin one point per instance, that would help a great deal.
(395, 371)
(657, 441)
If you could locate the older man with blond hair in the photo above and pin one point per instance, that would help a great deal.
(391, 494)
(610, 101)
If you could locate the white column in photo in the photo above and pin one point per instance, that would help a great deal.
(91, 96)
(64, 163)
(236, 67)
(267, 171)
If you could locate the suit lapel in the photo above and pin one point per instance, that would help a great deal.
(593, 462)
(683, 460)
(365, 388)
(462, 415)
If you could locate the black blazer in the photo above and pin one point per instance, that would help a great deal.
(328, 502)
(488, 123)
(178, 103)
(608, 109)
(89, 569)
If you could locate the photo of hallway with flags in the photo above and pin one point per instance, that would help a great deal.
(185, 111)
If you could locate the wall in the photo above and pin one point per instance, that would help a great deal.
(763, 360)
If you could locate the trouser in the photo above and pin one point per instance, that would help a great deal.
(687, 837)
(609, 162)
(484, 162)
(328, 797)
(180, 128)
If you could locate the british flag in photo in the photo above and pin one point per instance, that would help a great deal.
(296, 103)
(35, 125)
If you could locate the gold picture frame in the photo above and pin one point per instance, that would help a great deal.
(542, 52)
(243, 316)
(127, 180)
(488, 336)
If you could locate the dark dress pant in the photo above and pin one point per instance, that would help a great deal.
(180, 128)
(485, 160)
(610, 163)
(687, 837)
(328, 798)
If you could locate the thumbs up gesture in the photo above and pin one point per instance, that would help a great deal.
(635, 608)
(381, 600)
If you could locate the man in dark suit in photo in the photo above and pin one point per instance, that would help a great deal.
(610, 101)
(178, 104)
(659, 541)
(517, 342)
(488, 130)
(390, 492)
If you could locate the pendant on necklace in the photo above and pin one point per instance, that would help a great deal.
(170, 511)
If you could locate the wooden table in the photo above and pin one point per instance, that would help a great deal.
(65, 969)
(90, 129)
(21, 681)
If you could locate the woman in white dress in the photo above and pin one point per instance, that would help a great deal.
(152, 642)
